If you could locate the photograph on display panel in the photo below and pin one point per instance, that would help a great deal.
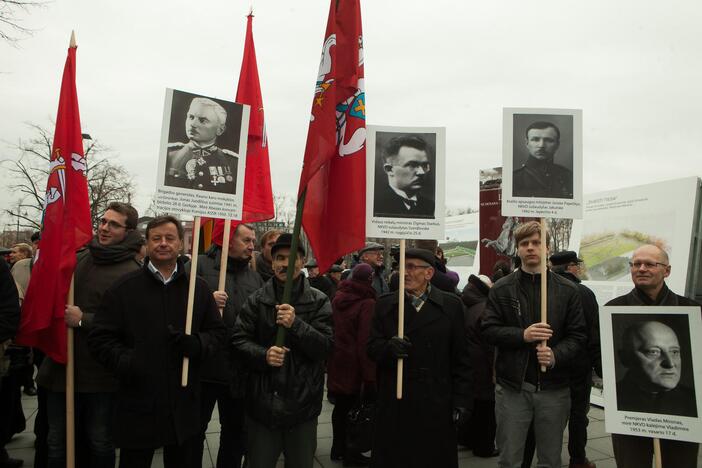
(203, 144)
(542, 161)
(405, 184)
(651, 367)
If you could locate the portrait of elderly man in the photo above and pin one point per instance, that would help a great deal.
(651, 352)
(539, 176)
(200, 164)
(402, 191)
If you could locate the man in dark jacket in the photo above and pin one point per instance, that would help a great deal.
(479, 433)
(650, 267)
(285, 384)
(9, 387)
(109, 256)
(418, 430)
(372, 254)
(139, 333)
(567, 264)
(221, 373)
(512, 323)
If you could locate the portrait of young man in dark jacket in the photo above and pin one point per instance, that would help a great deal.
(513, 324)
(285, 384)
(139, 335)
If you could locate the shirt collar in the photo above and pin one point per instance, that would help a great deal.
(403, 194)
(158, 274)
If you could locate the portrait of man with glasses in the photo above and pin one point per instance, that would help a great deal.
(405, 181)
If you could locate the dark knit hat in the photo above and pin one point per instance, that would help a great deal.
(363, 273)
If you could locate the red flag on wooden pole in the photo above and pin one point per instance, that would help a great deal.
(334, 173)
(66, 227)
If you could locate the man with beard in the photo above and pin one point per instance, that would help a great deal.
(139, 335)
(109, 256)
(419, 430)
(650, 266)
(222, 376)
(285, 384)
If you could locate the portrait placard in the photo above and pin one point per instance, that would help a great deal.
(405, 182)
(202, 158)
(652, 371)
(542, 163)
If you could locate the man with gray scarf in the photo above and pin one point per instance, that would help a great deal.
(110, 255)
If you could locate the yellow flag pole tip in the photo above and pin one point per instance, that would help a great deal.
(73, 39)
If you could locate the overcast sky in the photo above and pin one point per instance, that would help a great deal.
(633, 67)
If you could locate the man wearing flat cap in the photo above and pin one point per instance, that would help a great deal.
(420, 429)
(318, 281)
(285, 384)
(372, 254)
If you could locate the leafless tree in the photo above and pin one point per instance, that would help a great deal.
(285, 209)
(559, 230)
(11, 12)
(108, 181)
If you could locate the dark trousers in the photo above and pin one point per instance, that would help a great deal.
(342, 405)
(479, 432)
(174, 456)
(11, 414)
(232, 438)
(297, 443)
(637, 452)
(41, 431)
(93, 415)
(580, 387)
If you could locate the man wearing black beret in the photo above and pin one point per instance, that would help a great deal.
(419, 429)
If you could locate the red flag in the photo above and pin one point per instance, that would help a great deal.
(258, 195)
(66, 227)
(334, 172)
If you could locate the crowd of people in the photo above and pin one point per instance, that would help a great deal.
(480, 368)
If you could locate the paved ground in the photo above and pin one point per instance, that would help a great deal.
(599, 447)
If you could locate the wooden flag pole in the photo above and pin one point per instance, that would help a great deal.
(401, 315)
(70, 390)
(224, 259)
(191, 296)
(287, 290)
(657, 452)
(544, 286)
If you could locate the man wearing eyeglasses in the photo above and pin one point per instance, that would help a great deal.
(650, 266)
(109, 255)
(372, 254)
(407, 165)
(420, 429)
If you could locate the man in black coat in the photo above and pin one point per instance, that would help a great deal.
(650, 267)
(567, 264)
(139, 334)
(9, 387)
(512, 322)
(407, 164)
(419, 430)
(109, 256)
(222, 376)
(286, 383)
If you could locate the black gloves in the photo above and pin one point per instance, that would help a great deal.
(399, 347)
(460, 416)
(185, 345)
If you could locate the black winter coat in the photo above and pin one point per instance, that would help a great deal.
(510, 311)
(9, 303)
(241, 281)
(130, 337)
(282, 397)
(417, 431)
(482, 353)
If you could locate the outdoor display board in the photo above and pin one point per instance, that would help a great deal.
(652, 366)
(616, 222)
(405, 184)
(460, 246)
(542, 161)
(202, 157)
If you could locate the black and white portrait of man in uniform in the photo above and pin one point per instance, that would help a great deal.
(201, 164)
(546, 172)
